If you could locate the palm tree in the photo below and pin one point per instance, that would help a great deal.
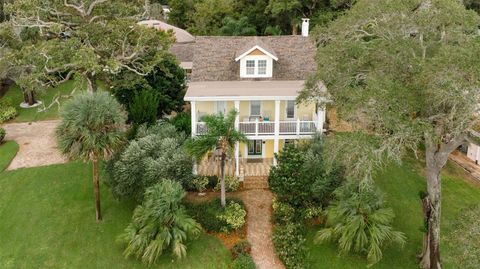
(92, 127)
(359, 221)
(220, 135)
(160, 223)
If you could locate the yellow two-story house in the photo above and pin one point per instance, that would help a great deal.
(261, 78)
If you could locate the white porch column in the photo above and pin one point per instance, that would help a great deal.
(193, 109)
(193, 112)
(320, 119)
(237, 145)
(277, 129)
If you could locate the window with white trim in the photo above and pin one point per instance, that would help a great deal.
(262, 67)
(256, 66)
(250, 67)
(290, 109)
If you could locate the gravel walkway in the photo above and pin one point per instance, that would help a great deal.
(37, 143)
(259, 231)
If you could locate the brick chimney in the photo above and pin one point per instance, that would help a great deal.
(305, 26)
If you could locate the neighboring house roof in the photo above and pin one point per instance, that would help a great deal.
(181, 35)
(183, 51)
(253, 44)
(244, 90)
(214, 57)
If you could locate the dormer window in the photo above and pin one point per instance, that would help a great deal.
(262, 67)
(256, 61)
(251, 67)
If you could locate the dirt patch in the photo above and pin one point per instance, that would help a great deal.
(229, 240)
(37, 143)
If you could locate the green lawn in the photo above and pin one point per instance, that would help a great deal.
(62, 92)
(402, 185)
(7, 151)
(48, 221)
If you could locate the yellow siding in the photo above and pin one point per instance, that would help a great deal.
(305, 109)
(243, 153)
(268, 109)
(207, 107)
(268, 148)
(244, 110)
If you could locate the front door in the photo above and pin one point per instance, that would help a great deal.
(255, 148)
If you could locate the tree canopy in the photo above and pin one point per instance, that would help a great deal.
(404, 74)
(207, 17)
(88, 39)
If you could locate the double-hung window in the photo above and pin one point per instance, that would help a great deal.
(250, 67)
(262, 67)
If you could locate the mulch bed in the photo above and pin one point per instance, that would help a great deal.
(229, 240)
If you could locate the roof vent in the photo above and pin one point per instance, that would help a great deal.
(305, 26)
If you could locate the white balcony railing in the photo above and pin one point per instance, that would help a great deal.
(257, 128)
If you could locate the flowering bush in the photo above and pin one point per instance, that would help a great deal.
(7, 111)
(233, 215)
(199, 183)
(289, 241)
(282, 212)
(231, 184)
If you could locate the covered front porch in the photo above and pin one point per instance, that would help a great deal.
(248, 167)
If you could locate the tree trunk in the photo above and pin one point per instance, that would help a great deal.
(425, 256)
(434, 187)
(91, 84)
(96, 190)
(222, 181)
(29, 97)
(436, 158)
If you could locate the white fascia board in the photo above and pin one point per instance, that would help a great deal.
(239, 98)
(254, 48)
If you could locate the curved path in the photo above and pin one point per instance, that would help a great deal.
(37, 143)
(259, 231)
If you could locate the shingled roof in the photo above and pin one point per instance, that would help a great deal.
(214, 57)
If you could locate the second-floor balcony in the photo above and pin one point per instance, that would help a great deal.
(267, 128)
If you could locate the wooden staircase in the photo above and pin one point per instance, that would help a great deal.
(255, 182)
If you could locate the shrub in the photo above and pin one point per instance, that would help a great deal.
(143, 108)
(233, 215)
(242, 247)
(7, 111)
(207, 215)
(160, 223)
(3, 133)
(358, 221)
(231, 184)
(199, 183)
(182, 121)
(283, 213)
(167, 81)
(289, 241)
(154, 155)
(301, 177)
(243, 262)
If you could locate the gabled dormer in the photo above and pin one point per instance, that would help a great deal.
(256, 60)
